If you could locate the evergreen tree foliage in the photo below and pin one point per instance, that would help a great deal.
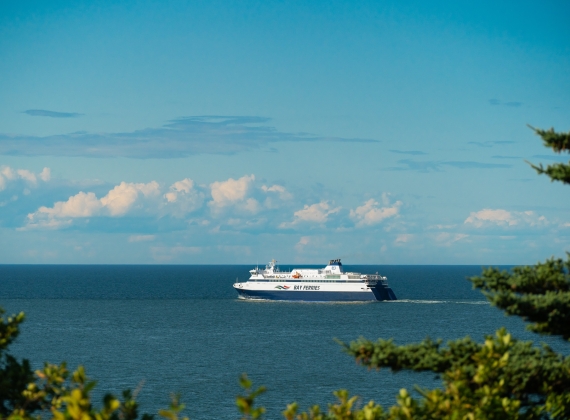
(501, 378)
(559, 142)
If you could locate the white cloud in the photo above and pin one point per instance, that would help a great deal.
(34, 222)
(183, 198)
(120, 199)
(79, 205)
(283, 193)
(179, 188)
(233, 192)
(45, 174)
(27, 175)
(315, 213)
(141, 238)
(117, 202)
(9, 174)
(227, 192)
(504, 218)
(370, 214)
(251, 205)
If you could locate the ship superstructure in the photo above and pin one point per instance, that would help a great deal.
(330, 283)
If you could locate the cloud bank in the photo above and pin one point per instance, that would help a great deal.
(178, 138)
(233, 203)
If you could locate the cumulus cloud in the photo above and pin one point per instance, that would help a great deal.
(227, 192)
(177, 138)
(27, 176)
(118, 201)
(370, 214)
(275, 196)
(178, 200)
(45, 174)
(79, 205)
(504, 218)
(179, 188)
(278, 189)
(231, 197)
(183, 198)
(315, 213)
(233, 192)
(8, 174)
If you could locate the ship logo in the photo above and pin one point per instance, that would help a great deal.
(282, 287)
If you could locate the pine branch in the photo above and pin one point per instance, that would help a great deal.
(559, 142)
(539, 294)
(536, 378)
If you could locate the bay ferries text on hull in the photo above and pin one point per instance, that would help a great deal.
(331, 283)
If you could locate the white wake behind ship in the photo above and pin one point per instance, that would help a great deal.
(331, 283)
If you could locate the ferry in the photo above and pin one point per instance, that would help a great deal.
(331, 283)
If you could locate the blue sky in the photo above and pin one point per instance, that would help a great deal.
(236, 132)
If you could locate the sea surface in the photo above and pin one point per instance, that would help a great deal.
(181, 329)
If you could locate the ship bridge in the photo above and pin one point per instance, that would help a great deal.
(334, 267)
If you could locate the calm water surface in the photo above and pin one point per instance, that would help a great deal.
(182, 329)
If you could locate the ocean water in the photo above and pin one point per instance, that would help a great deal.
(182, 329)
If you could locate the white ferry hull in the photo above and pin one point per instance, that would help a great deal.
(330, 284)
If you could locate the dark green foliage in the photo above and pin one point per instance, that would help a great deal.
(14, 376)
(539, 294)
(538, 379)
(559, 142)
